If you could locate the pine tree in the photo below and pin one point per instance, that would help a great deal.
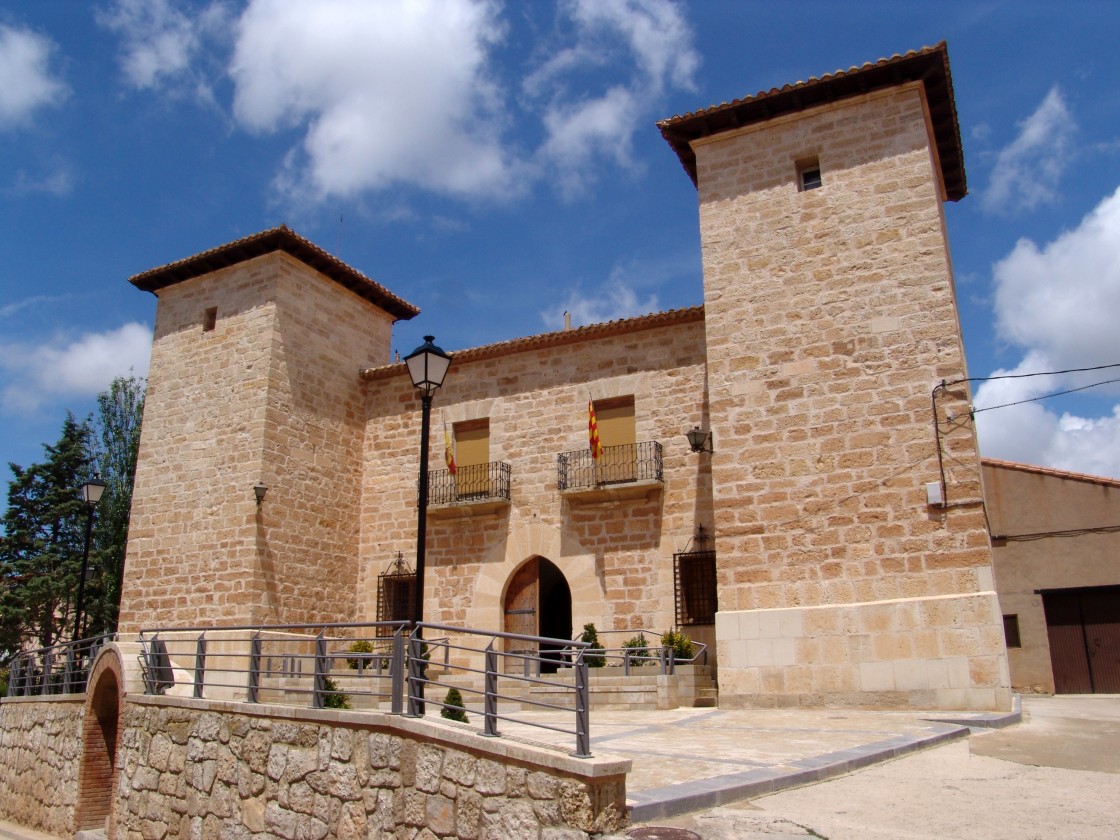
(116, 444)
(43, 543)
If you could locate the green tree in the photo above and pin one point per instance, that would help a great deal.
(43, 543)
(115, 444)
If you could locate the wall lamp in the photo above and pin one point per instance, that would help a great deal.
(699, 440)
(259, 490)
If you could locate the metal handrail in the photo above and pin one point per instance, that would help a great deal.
(625, 464)
(664, 656)
(477, 482)
(297, 664)
(57, 669)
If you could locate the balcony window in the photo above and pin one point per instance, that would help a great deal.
(632, 463)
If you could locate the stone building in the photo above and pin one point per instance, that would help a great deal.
(1056, 539)
(849, 562)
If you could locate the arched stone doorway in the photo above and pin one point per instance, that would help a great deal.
(538, 602)
(97, 781)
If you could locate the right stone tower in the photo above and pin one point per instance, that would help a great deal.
(854, 565)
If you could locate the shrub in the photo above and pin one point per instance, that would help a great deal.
(640, 648)
(453, 706)
(360, 646)
(593, 656)
(332, 697)
(679, 642)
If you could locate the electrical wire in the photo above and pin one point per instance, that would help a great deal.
(976, 411)
(1028, 375)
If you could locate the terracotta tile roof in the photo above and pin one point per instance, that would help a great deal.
(1047, 471)
(555, 339)
(276, 239)
(929, 65)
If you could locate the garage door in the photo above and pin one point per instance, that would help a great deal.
(1083, 626)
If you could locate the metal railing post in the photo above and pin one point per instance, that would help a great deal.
(396, 673)
(321, 665)
(583, 709)
(490, 698)
(68, 672)
(254, 667)
(415, 675)
(48, 660)
(199, 664)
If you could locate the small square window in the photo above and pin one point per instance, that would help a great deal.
(1011, 631)
(210, 319)
(809, 174)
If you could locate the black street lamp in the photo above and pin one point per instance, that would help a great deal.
(427, 366)
(91, 495)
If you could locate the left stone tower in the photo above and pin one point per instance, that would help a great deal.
(253, 380)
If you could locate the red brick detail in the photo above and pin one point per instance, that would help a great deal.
(97, 776)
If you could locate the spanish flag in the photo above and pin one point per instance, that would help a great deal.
(449, 450)
(593, 432)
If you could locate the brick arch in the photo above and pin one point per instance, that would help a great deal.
(97, 778)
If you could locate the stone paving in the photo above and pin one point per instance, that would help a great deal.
(688, 759)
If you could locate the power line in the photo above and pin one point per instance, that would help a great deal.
(1028, 375)
(975, 411)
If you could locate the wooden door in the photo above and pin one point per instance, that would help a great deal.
(1083, 628)
(522, 611)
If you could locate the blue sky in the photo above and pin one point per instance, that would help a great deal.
(498, 163)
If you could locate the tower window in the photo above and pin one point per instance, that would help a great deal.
(809, 174)
(210, 319)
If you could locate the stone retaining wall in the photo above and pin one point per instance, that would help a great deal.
(204, 769)
(40, 750)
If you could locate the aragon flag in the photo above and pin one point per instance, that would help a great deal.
(593, 432)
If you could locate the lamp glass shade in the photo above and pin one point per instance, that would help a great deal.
(427, 365)
(697, 438)
(92, 490)
(258, 491)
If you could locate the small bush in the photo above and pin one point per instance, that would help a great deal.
(594, 655)
(679, 642)
(360, 646)
(453, 706)
(332, 697)
(638, 648)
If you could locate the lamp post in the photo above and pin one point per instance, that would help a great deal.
(91, 495)
(427, 366)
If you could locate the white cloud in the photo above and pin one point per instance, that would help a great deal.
(26, 80)
(609, 302)
(57, 183)
(161, 43)
(395, 91)
(1063, 299)
(580, 126)
(1027, 171)
(413, 92)
(1058, 303)
(84, 366)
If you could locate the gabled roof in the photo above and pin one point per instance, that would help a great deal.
(1047, 471)
(555, 339)
(929, 65)
(276, 239)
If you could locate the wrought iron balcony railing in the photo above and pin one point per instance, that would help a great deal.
(475, 483)
(629, 463)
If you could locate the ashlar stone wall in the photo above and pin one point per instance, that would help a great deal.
(615, 552)
(207, 770)
(40, 753)
(831, 320)
(253, 380)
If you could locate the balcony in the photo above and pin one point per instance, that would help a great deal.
(475, 489)
(629, 471)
